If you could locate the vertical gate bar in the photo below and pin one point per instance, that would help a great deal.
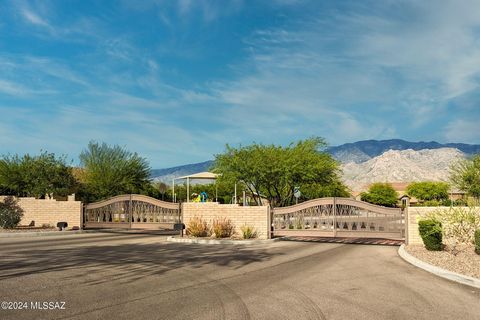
(130, 211)
(334, 217)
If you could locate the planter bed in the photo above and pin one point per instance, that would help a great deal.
(465, 262)
(210, 240)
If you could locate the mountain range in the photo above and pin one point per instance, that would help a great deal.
(368, 161)
(362, 151)
(401, 166)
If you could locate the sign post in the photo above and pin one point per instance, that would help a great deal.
(296, 194)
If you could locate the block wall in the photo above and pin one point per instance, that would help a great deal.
(255, 216)
(46, 211)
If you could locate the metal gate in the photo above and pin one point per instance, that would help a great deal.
(339, 217)
(131, 211)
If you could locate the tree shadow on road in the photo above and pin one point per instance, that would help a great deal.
(128, 261)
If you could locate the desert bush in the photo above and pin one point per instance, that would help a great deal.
(10, 213)
(197, 227)
(248, 232)
(458, 223)
(477, 241)
(434, 203)
(381, 194)
(431, 232)
(465, 175)
(222, 228)
(429, 191)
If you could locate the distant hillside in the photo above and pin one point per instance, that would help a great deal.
(166, 175)
(357, 152)
(402, 166)
(362, 151)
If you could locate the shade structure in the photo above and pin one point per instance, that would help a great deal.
(201, 176)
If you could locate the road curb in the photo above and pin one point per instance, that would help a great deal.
(440, 272)
(224, 241)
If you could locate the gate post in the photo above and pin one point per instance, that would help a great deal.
(82, 216)
(406, 223)
(180, 218)
(334, 217)
(270, 222)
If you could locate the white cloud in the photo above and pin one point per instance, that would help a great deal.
(11, 88)
(371, 73)
(34, 18)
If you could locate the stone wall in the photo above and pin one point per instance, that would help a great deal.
(46, 211)
(255, 216)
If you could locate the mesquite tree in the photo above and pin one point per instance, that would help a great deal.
(36, 176)
(112, 170)
(273, 172)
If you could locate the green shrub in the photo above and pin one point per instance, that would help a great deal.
(197, 227)
(222, 228)
(10, 213)
(248, 232)
(431, 232)
(477, 241)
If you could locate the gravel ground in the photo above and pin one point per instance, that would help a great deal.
(465, 262)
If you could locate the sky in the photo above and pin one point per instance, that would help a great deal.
(177, 80)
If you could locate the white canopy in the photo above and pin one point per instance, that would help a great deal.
(201, 175)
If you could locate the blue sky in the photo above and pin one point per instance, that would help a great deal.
(177, 80)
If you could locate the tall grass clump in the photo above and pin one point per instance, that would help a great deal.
(248, 232)
(222, 228)
(197, 227)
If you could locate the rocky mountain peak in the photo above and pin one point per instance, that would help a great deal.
(402, 166)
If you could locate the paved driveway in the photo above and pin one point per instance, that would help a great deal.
(108, 276)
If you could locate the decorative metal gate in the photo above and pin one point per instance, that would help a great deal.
(339, 217)
(131, 211)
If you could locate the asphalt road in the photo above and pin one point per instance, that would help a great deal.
(110, 276)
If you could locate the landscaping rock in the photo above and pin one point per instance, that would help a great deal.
(465, 261)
